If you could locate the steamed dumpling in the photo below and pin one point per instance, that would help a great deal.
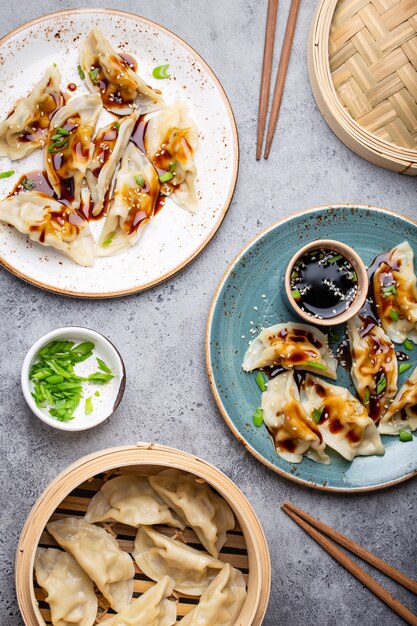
(100, 556)
(130, 500)
(341, 419)
(395, 293)
(293, 346)
(402, 413)
(50, 223)
(152, 608)
(133, 205)
(70, 592)
(195, 502)
(26, 128)
(157, 556)
(107, 73)
(293, 430)
(222, 601)
(69, 148)
(374, 365)
(109, 146)
(171, 140)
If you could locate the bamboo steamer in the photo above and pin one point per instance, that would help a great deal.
(362, 63)
(72, 490)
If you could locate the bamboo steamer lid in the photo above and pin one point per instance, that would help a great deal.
(71, 491)
(362, 61)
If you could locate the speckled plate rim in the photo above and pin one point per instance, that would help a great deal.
(209, 367)
(235, 166)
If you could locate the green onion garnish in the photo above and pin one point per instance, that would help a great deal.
(408, 344)
(97, 393)
(405, 435)
(161, 71)
(28, 184)
(103, 366)
(100, 378)
(353, 277)
(258, 417)
(260, 381)
(317, 413)
(319, 366)
(94, 73)
(393, 315)
(294, 274)
(403, 367)
(62, 131)
(388, 291)
(296, 294)
(381, 385)
(172, 166)
(366, 396)
(80, 72)
(140, 181)
(108, 241)
(89, 405)
(166, 177)
(6, 174)
(116, 125)
(335, 258)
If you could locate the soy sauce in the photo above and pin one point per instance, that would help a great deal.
(323, 283)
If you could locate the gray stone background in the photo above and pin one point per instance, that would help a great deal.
(161, 332)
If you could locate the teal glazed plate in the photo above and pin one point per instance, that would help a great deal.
(251, 296)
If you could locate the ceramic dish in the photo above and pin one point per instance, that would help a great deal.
(174, 237)
(111, 393)
(250, 295)
(71, 492)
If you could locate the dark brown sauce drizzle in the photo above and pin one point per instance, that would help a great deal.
(40, 180)
(129, 60)
(138, 134)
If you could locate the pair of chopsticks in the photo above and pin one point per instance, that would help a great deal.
(281, 75)
(317, 530)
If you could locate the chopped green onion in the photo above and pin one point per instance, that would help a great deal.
(116, 125)
(140, 181)
(108, 241)
(28, 184)
(335, 258)
(103, 366)
(405, 435)
(62, 131)
(403, 367)
(6, 174)
(381, 385)
(172, 166)
(296, 294)
(393, 315)
(81, 72)
(317, 413)
(319, 366)
(366, 396)
(161, 71)
(97, 393)
(94, 74)
(260, 381)
(353, 277)
(258, 417)
(166, 177)
(408, 344)
(89, 405)
(388, 291)
(83, 348)
(100, 378)
(294, 274)
(56, 137)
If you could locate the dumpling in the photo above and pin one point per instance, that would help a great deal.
(70, 592)
(152, 608)
(50, 223)
(171, 140)
(402, 413)
(157, 556)
(100, 556)
(395, 292)
(293, 346)
(196, 503)
(26, 128)
(69, 148)
(374, 368)
(293, 431)
(109, 146)
(130, 500)
(133, 205)
(341, 419)
(222, 601)
(107, 73)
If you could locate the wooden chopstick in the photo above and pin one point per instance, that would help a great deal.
(271, 20)
(282, 73)
(354, 569)
(353, 547)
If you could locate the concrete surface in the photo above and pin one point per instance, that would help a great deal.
(161, 332)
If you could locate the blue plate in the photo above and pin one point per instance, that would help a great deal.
(251, 296)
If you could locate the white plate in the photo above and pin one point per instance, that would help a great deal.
(174, 238)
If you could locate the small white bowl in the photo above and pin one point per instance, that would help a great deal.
(110, 394)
